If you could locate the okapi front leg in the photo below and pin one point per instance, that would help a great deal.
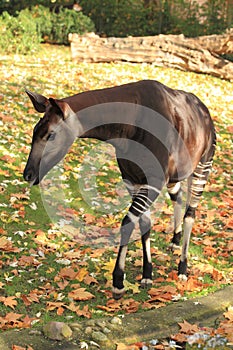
(145, 225)
(142, 200)
(118, 272)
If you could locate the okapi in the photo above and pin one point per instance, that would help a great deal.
(161, 137)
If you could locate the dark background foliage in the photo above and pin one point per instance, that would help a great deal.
(50, 21)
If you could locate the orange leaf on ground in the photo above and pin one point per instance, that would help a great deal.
(60, 311)
(67, 272)
(26, 300)
(80, 312)
(2, 231)
(188, 328)
(52, 305)
(209, 251)
(230, 128)
(163, 294)
(7, 245)
(191, 285)
(179, 337)
(72, 254)
(20, 196)
(27, 321)
(226, 330)
(81, 274)
(80, 294)
(148, 305)
(97, 253)
(89, 218)
(90, 280)
(130, 305)
(9, 301)
(40, 237)
(62, 285)
(111, 306)
(229, 314)
(12, 318)
(217, 275)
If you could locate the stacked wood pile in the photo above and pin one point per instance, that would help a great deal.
(200, 54)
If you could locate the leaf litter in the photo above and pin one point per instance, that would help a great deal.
(34, 250)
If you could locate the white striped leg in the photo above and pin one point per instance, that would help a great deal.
(142, 199)
(196, 184)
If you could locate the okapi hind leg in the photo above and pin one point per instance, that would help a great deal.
(189, 219)
(175, 192)
(145, 226)
(196, 184)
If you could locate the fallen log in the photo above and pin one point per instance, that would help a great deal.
(197, 55)
(218, 44)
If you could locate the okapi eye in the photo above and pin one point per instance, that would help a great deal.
(51, 136)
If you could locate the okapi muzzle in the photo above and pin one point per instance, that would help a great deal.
(161, 137)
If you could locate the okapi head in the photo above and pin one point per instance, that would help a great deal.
(52, 136)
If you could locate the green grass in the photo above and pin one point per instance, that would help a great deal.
(30, 224)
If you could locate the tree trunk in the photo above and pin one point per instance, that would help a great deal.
(189, 54)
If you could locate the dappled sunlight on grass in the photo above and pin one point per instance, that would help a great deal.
(44, 268)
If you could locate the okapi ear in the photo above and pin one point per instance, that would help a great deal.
(62, 108)
(39, 101)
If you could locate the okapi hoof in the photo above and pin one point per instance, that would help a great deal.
(146, 283)
(182, 278)
(182, 270)
(176, 239)
(117, 293)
